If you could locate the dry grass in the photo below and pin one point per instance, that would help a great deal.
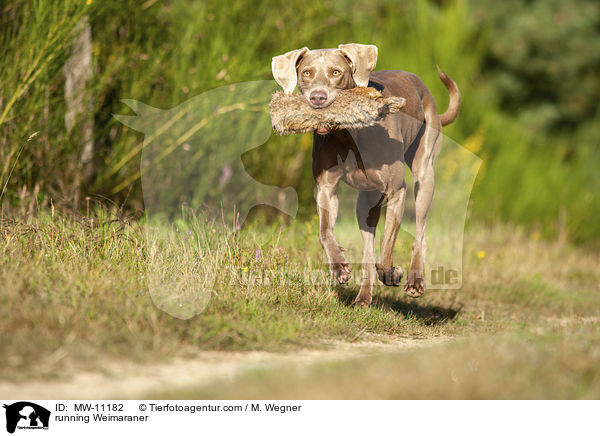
(77, 289)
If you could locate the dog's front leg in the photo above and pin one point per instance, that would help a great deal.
(327, 208)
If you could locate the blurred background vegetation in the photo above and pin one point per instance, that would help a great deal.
(528, 71)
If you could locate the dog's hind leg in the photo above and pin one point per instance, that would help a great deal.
(368, 209)
(424, 179)
(391, 275)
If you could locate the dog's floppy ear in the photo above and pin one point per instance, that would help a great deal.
(363, 59)
(284, 69)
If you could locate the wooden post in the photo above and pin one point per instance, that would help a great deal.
(78, 71)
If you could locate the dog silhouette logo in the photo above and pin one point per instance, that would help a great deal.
(26, 415)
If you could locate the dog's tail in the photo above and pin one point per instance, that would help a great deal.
(454, 105)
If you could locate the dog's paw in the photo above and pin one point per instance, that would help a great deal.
(390, 277)
(415, 285)
(364, 297)
(362, 300)
(341, 272)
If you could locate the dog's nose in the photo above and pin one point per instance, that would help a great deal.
(318, 97)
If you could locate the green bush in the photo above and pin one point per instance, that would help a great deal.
(163, 53)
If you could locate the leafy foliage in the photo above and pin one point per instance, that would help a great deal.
(527, 72)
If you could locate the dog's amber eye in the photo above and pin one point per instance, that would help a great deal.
(336, 72)
(306, 73)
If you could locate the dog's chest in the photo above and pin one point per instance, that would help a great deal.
(362, 180)
(365, 159)
(364, 176)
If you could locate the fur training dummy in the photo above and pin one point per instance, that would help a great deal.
(353, 108)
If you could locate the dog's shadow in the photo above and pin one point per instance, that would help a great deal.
(428, 314)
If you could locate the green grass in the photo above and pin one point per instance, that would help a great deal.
(75, 291)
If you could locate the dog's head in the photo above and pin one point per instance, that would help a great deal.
(321, 74)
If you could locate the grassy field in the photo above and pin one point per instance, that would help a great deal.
(75, 293)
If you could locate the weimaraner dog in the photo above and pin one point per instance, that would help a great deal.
(371, 160)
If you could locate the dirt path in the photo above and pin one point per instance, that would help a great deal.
(130, 380)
